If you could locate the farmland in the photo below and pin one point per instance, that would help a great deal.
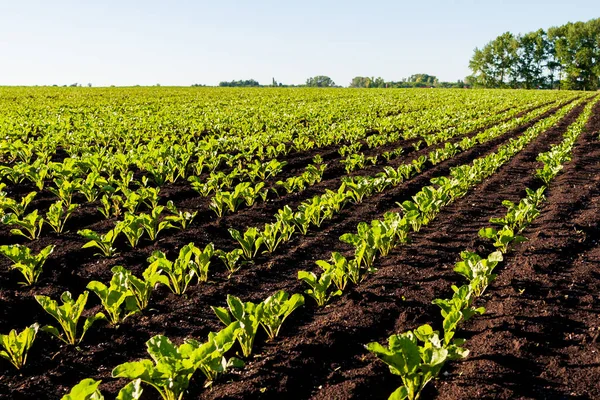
(462, 225)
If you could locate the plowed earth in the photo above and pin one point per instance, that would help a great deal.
(538, 338)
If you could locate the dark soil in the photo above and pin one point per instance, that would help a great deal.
(319, 352)
(539, 336)
(325, 357)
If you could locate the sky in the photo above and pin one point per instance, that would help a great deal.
(179, 43)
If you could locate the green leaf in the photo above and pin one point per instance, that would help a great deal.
(236, 306)
(87, 389)
(133, 370)
(488, 233)
(51, 330)
(495, 256)
(131, 391)
(222, 314)
(399, 394)
(161, 347)
(438, 356)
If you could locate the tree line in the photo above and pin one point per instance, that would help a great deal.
(315, 81)
(565, 57)
(413, 81)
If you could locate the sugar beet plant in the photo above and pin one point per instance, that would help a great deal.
(270, 314)
(87, 389)
(116, 298)
(191, 263)
(17, 208)
(103, 242)
(247, 314)
(30, 266)
(141, 288)
(172, 367)
(416, 356)
(68, 315)
(16, 345)
(276, 308)
(58, 214)
(29, 226)
(231, 259)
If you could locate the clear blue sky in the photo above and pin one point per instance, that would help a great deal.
(125, 42)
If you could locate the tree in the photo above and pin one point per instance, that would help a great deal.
(241, 83)
(359, 82)
(505, 51)
(495, 65)
(378, 82)
(577, 49)
(532, 60)
(366, 82)
(426, 79)
(320, 81)
(482, 65)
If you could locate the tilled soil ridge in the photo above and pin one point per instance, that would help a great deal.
(539, 336)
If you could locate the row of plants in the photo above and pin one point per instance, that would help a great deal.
(354, 190)
(133, 226)
(252, 127)
(481, 120)
(245, 193)
(419, 355)
(388, 233)
(162, 160)
(95, 176)
(378, 238)
(100, 163)
(94, 185)
(171, 367)
(98, 175)
(310, 213)
(127, 294)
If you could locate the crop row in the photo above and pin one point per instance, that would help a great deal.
(310, 213)
(127, 294)
(343, 271)
(419, 355)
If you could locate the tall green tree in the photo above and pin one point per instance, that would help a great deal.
(577, 49)
(484, 68)
(360, 82)
(504, 48)
(532, 58)
(423, 78)
(570, 52)
(240, 83)
(320, 81)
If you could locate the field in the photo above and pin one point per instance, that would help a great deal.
(466, 222)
